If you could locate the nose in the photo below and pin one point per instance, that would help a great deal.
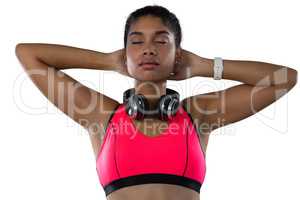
(149, 50)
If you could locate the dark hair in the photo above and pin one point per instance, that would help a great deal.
(167, 18)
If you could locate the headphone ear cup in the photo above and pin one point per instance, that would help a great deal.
(142, 106)
(130, 107)
(163, 107)
(135, 104)
(168, 106)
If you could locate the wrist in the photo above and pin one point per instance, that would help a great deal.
(105, 61)
(111, 61)
(204, 67)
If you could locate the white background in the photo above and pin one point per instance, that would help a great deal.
(46, 155)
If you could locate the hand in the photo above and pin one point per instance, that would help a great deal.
(118, 60)
(185, 67)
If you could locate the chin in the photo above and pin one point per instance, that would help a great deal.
(150, 77)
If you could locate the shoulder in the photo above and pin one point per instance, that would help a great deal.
(99, 122)
(196, 111)
(195, 107)
(100, 117)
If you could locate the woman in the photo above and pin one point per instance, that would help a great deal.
(152, 163)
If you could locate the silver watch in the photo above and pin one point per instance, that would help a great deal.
(218, 68)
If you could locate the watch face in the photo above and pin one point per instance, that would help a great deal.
(218, 68)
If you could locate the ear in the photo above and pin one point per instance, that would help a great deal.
(177, 60)
(124, 57)
(178, 53)
(124, 54)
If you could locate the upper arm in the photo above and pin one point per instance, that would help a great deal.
(84, 105)
(235, 103)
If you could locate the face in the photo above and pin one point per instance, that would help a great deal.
(151, 50)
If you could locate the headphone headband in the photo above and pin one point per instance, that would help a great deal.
(137, 106)
(129, 92)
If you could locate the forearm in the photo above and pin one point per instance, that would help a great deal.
(67, 57)
(249, 72)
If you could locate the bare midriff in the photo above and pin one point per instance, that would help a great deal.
(154, 191)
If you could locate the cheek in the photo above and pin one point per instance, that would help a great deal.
(130, 63)
(131, 55)
(168, 59)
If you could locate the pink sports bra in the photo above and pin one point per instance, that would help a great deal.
(129, 157)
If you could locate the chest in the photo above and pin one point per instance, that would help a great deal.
(151, 146)
(150, 127)
(130, 149)
(155, 128)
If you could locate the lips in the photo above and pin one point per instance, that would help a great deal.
(149, 63)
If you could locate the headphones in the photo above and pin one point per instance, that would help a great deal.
(137, 106)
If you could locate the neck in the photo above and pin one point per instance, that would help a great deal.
(151, 90)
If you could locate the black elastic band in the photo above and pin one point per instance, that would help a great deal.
(152, 178)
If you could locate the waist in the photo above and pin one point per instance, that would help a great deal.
(155, 191)
(153, 178)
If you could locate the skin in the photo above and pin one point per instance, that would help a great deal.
(148, 38)
(239, 102)
(145, 42)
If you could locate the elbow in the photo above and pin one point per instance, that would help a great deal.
(20, 47)
(292, 76)
(17, 48)
(24, 50)
(286, 78)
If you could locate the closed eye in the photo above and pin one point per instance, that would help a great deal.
(160, 42)
(136, 42)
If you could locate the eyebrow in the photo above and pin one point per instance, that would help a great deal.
(156, 33)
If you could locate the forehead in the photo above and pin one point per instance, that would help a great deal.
(149, 25)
